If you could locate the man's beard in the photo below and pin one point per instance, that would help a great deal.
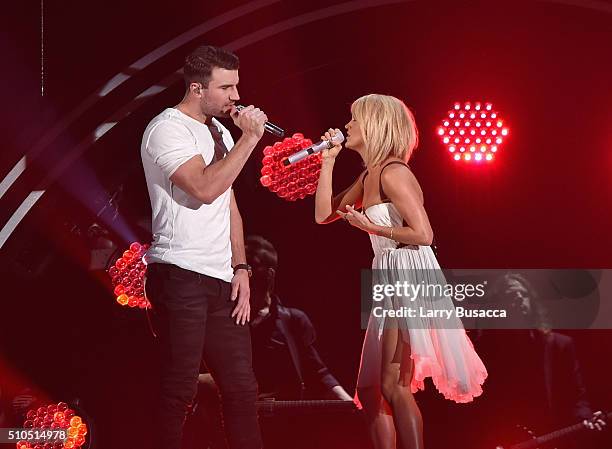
(216, 111)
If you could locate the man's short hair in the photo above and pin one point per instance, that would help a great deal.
(260, 252)
(201, 62)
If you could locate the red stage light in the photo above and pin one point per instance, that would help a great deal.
(57, 417)
(298, 180)
(486, 129)
(127, 276)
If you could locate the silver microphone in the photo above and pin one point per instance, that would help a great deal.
(268, 126)
(316, 148)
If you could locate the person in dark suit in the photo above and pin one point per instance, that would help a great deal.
(285, 361)
(535, 376)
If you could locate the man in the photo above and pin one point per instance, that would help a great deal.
(287, 365)
(541, 384)
(202, 303)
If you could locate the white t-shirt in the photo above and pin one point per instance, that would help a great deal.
(186, 232)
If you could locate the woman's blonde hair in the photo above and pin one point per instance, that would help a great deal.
(387, 126)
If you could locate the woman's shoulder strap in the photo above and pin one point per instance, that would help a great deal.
(381, 190)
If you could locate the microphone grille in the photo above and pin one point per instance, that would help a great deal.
(338, 138)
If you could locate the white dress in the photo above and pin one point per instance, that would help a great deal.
(440, 348)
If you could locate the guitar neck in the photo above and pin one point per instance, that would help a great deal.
(552, 435)
(272, 405)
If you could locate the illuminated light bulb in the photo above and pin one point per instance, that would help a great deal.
(467, 123)
(451, 115)
(462, 115)
(477, 106)
(504, 132)
(451, 149)
(488, 124)
(457, 140)
(494, 132)
(488, 141)
(451, 132)
(457, 157)
(499, 124)
(478, 157)
(489, 157)
(472, 116)
(446, 140)
(128, 255)
(457, 124)
(488, 106)
(441, 131)
(472, 148)
(462, 149)
(493, 149)
(467, 156)
(462, 132)
(478, 140)
(457, 106)
(472, 132)
(498, 140)
(467, 141)
(467, 106)
(483, 132)
(483, 149)
(123, 299)
(76, 421)
(478, 124)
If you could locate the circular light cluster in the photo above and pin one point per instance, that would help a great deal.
(127, 276)
(55, 417)
(473, 132)
(294, 181)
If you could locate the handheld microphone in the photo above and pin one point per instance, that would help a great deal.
(268, 126)
(316, 148)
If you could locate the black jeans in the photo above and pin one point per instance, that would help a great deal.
(192, 317)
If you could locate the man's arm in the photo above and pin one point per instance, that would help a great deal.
(236, 233)
(240, 281)
(315, 369)
(207, 182)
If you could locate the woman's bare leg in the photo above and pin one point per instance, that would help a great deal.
(378, 417)
(396, 373)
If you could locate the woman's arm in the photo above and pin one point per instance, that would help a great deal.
(326, 204)
(402, 188)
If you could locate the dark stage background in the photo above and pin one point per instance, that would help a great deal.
(543, 203)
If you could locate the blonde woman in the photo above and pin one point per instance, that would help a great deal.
(398, 353)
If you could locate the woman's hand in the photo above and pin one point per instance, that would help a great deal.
(330, 155)
(357, 219)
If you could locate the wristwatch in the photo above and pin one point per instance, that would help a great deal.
(243, 266)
